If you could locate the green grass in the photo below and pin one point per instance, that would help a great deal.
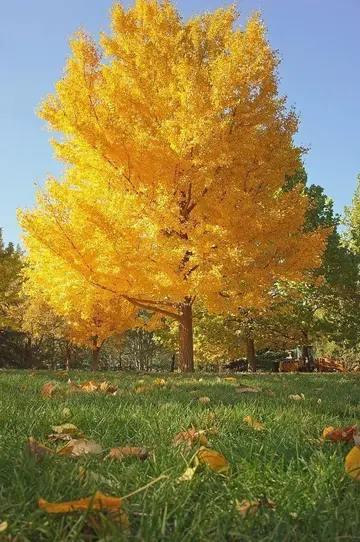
(315, 499)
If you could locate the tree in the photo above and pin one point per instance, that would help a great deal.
(178, 145)
(11, 263)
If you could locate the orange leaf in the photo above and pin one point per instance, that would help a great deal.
(142, 389)
(339, 435)
(253, 423)
(90, 386)
(98, 502)
(213, 459)
(186, 439)
(129, 451)
(48, 390)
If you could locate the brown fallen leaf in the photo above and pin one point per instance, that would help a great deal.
(297, 397)
(352, 463)
(3, 526)
(204, 400)
(187, 475)
(37, 449)
(212, 459)
(248, 390)
(48, 390)
(339, 435)
(252, 422)
(129, 451)
(55, 437)
(251, 507)
(78, 447)
(186, 439)
(143, 389)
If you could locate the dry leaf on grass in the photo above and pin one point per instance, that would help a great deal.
(297, 397)
(187, 475)
(37, 449)
(269, 392)
(107, 388)
(357, 440)
(204, 400)
(89, 386)
(248, 390)
(339, 435)
(186, 439)
(48, 390)
(77, 447)
(212, 459)
(252, 422)
(129, 451)
(3, 526)
(352, 463)
(230, 379)
(65, 429)
(251, 507)
(32, 374)
(159, 382)
(97, 502)
(143, 389)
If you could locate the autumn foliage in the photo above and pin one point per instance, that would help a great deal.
(177, 146)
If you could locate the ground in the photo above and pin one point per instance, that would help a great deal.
(315, 499)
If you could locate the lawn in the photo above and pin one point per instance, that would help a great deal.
(315, 499)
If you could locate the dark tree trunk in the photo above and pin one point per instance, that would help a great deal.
(251, 355)
(186, 346)
(172, 366)
(68, 356)
(95, 354)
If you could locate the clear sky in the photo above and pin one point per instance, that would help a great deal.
(318, 41)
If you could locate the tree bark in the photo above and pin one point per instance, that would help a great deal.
(186, 346)
(95, 354)
(172, 366)
(251, 355)
(68, 357)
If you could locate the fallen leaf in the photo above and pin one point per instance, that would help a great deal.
(319, 402)
(186, 439)
(352, 463)
(55, 437)
(143, 389)
(230, 379)
(251, 507)
(66, 413)
(269, 392)
(87, 475)
(339, 435)
(129, 451)
(248, 390)
(32, 374)
(357, 440)
(253, 423)
(3, 526)
(98, 502)
(204, 400)
(77, 447)
(65, 429)
(212, 416)
(159, 382)
(37, 449)
(107, 388)
(297, 397)
(90, 386)
(187, 475)
(213, 459)
(48, 390)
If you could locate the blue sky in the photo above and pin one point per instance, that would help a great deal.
(320, 72)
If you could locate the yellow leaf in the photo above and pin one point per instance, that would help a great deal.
(253, 423)
(230, 379)
(352, 463)
(65, 429)
(296, 397)
(81, 446)
(187, 475)
(213, 459)
(3, 526)
(204, 400)
(98, 502)
(90, 386)
(159, 382)
(327, 431)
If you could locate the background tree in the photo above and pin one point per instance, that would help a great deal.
(11, 264)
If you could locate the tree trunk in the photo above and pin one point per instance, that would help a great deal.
(251, 356)
(95, 359)
(172, 366)
(68, 357)
(186, 346)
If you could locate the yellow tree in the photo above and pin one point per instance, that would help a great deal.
(178, 145)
